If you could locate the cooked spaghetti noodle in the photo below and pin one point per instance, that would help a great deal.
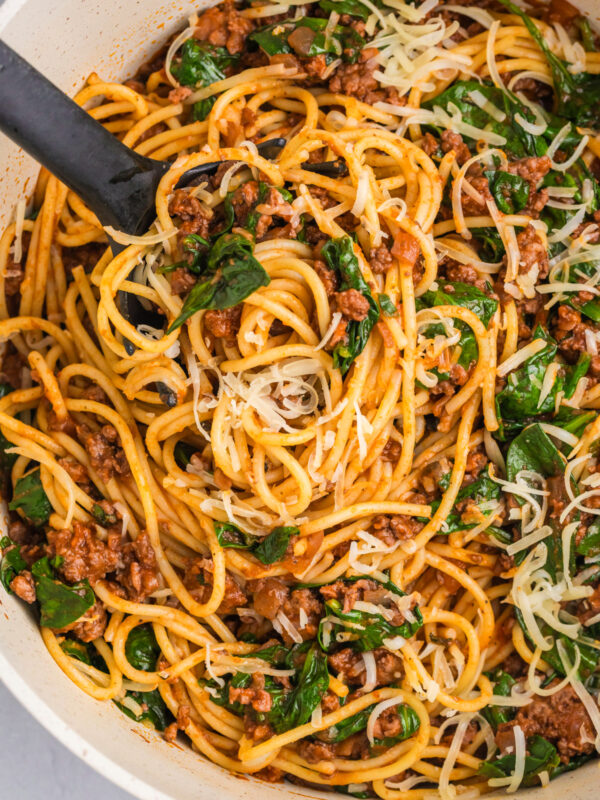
(308, 471)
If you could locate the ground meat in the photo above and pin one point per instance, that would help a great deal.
(223, 26)
(14, 271)
(270, 774)
(462, 273)
(327, 276)
(533, 253)
(223, 324)
(12, 366)
(454, 141)
(476, 461)
(315, 751)
(257, 731)
(570, 331)
(271, 596)
(255, 695)
(370, 591)
(561, 11)
(533, 171)
(107, 457)
(352, 304)
(391, 451)
(179, 93)
(83, 554)
(95, 393)
(62, 424)
(196, 218)
(560, 718)
(24, 587)
(389, 724)
(198, 579)
(90, 626)
(357, 80)
(398, 527)
(381, 259)
(21, 532)
(351, 666)
(244, 200)
(86, 256)
(182, 281)
(76, 470)
(472, 206)
(138, 574)
(275, 206)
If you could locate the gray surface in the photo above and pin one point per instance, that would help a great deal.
(34, 765)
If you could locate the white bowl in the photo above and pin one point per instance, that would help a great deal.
(66, 40)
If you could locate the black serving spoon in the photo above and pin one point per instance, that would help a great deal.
(116, 183)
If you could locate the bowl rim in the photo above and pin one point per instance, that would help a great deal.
(73, 741)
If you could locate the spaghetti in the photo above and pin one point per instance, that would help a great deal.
(309, 470)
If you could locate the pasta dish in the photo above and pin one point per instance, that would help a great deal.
(309, 470)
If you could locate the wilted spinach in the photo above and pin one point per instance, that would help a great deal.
(60, 605)
(29, 497)
(358, 722)
(577, 94)
(153, 709)
(230, 273)
(368, 630)
(289, 709)
(541, 756)
(511, 192)
(267, 550)
(306, 38)
(12, 562)
(141, 648)
(340, 257)
(503, 683)
(202, 64)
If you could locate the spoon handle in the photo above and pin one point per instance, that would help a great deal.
(114, 181)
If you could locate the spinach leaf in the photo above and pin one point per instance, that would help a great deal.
(60, 605)
(534, 450)
(29, 496)
(503, 683)
(229, 535)
(484, 492)
(202, 108)
(232, 273)
(76, 649)
(466, 296)
(578, 371)
(587, 34)
(313, 682)
(141, 648)
(202, 64)
(510, 192)
(367, 630)
(358, 722)
(153, 709)
(518, 402)
(353, 7)
(542, 756)
(458, 99)
(12, 562)
(340, 257)
(578, 95)
(386, 305)
(490, 244)
(589, 546)
(272, 548)
(288, 708)
(268, 550)
(306, 38)
(101, 517)
(573, 420)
